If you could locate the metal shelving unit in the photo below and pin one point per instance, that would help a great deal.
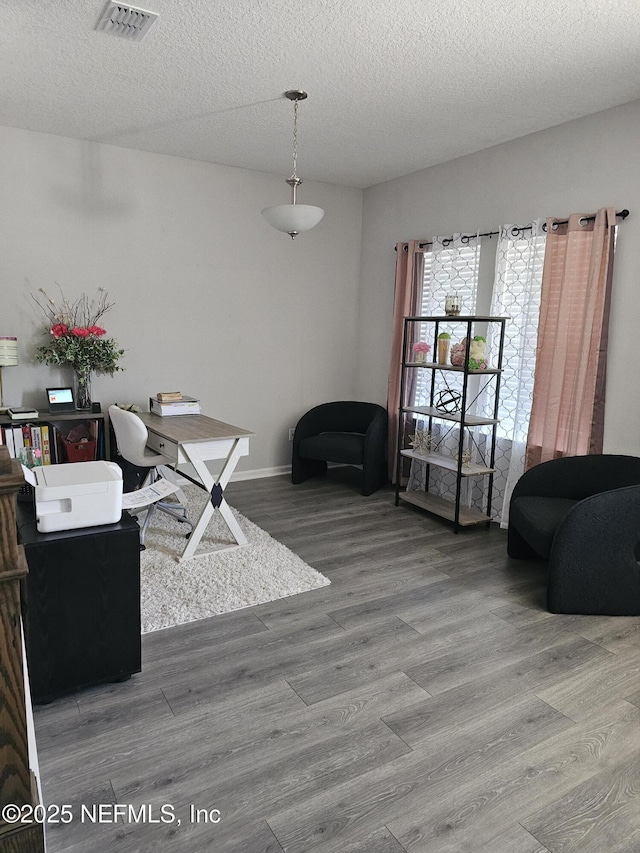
(461, 422)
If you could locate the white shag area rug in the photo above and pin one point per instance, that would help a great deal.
(173, 593)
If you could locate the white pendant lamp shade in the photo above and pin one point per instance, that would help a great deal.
(293, 218)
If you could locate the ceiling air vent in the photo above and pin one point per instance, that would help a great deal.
(126, 21)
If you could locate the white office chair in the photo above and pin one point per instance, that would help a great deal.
(131, 437)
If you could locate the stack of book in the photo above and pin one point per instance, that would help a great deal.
(20, 438)
(167, 403)
(46, 444)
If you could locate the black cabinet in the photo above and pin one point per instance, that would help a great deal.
(49, 431)
(81, 606)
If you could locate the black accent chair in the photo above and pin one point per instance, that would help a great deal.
(582, 514)
(346, 432)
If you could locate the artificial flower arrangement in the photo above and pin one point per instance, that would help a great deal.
(420, 350)
(458, 354)
(75, 338)
(477, 356)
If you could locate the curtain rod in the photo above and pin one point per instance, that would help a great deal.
(621, 214)
(517, 229)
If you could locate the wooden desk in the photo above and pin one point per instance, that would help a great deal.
(197, 439)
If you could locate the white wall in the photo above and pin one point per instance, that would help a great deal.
(579, 166)
(208, 298)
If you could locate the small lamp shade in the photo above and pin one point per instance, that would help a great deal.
(8, 352)
(8, 358)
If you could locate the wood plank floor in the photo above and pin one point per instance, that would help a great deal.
(425, 701)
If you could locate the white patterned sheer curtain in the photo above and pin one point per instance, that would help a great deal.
(450, 266)
(516, 294)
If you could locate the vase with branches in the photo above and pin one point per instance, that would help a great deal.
(76, 339)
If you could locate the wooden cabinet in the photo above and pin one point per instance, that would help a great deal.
(17, 782)
(456, 401)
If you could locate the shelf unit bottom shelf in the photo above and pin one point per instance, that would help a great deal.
(445, 509)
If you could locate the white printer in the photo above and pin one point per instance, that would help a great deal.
(77, 494)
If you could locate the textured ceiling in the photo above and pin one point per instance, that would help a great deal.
(394, 85)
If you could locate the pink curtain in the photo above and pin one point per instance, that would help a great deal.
(567, 414)
(404, 305)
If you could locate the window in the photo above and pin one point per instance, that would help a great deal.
(451, 266)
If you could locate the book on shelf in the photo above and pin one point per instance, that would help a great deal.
(46, 444)
(8, 440)
(18, 440)
(184, 406)
(36, 438)
(57, 447)
(25, 437)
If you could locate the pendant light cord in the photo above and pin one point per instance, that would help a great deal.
(295, 139)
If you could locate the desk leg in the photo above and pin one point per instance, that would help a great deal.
(217, 491)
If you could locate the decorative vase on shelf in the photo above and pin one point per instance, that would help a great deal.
(420, 352)
(443, 347)
(82, 389)
(452, 305)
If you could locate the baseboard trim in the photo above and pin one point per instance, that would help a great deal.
(259, 473)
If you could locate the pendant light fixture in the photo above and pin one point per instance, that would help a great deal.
(294, 218)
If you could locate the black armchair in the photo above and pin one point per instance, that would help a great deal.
(346, 432)
(582, 514)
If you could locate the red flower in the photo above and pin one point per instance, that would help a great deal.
(97, 331)
(59, 330)
(80, 333)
